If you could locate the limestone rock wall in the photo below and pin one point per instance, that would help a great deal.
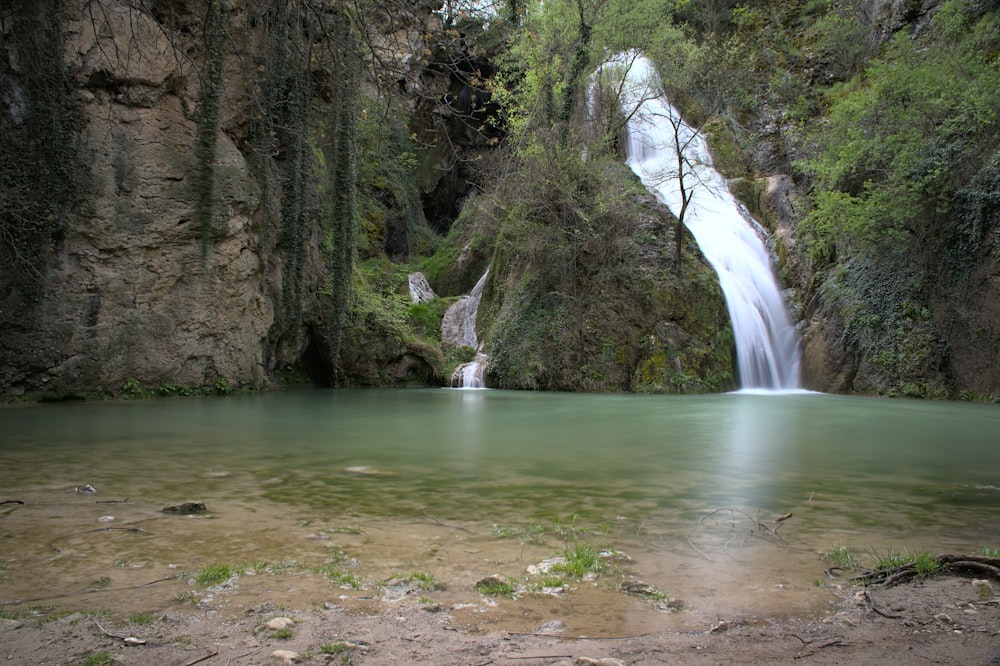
(130, 292)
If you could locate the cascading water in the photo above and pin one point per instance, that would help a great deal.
(459, 328)
(661, 151)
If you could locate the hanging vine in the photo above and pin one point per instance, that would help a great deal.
(207, 121)
(279, 140)
(342, 222)
(40, 164)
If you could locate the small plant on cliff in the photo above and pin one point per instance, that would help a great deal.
(132, 388)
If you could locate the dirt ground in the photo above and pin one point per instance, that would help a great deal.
(939, 621)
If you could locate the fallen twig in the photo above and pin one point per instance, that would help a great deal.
(134, 530)
(245, 654)
(444, 524)
(543, 656)
(580, 638)
(86, 590)
(695, 548)
(121, 501)
(129, 640)
(200, 659)
(871, 604)
(830, 643)
(755, 521)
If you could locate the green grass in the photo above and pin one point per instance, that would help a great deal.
(496, 588)
(339, 578)
(215, 574)
(282, 634)
(332, 648)
(424, 581)
(843, 557)
(140, 619)
(581, 559)
(253, 566)
(102, 658)
(924, 563)
(530, 533)
(100, 583)
(891, 560)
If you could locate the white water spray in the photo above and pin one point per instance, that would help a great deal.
(766, 342)
(459, 327)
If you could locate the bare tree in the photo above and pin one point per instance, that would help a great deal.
(635, 105)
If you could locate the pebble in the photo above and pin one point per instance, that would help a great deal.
(288, 656)
(279, 623)
(552, 627)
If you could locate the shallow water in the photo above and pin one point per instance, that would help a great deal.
(463, 484)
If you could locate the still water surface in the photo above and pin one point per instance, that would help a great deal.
(645, 474)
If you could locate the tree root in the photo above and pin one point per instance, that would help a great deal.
(985, 566)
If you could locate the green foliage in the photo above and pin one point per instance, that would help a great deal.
(341, 222)
(898, 138)
(884, 322)
(140, 619)
(132, 389)
(389, 213)
(426, 318)
(378, 299)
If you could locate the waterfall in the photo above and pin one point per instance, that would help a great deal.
(459, 328)
(767, 350)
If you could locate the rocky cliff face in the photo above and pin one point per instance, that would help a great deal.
(128, 291)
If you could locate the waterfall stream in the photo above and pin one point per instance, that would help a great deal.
(459, 328)
(664, 152)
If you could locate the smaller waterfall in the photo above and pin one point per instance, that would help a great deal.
(420, 288)
(459, 328)
(662, 150)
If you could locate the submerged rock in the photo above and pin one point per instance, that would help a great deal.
(641, 589)
(186, 508)
(365, 470)
(552, 627)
